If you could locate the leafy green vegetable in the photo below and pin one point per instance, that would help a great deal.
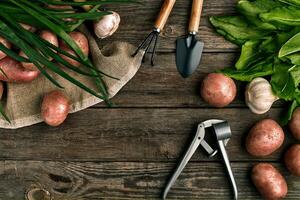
(253, 51)
(288, 116)
(236, 29)
(283, 37)
(268, 46)
(268, 32)
(261, 69)
(283, 15)
(291, 46)
(249, 53)
(252, 9)
(295, 74)
(291, 2)
(282, 83)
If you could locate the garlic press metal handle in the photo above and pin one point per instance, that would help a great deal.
(228, 168)
(191, 150)
(198, 139)
(223, 134)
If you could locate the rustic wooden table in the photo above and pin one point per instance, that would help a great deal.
(129, 152)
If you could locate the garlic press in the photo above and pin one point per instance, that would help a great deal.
(222, 134)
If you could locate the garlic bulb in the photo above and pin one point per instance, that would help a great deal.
(259, 96)
(107, 25)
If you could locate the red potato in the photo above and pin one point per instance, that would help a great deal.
(46, 35)
(218, 90)
(81, 41)
(7, 44)
(292, 159)
(27, 65)
(15, 73)
(49, 36)
(294, 124)
(264, 138)
(28, 27)
(69, 60)
(269, 182)
(55, 108)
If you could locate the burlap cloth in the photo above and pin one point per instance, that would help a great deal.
(22, 102)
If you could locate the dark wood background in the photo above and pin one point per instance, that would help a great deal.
(129, 152)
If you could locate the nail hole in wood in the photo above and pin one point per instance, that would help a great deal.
(38, 194)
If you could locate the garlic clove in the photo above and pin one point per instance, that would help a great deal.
(107, 25)
(259, 96)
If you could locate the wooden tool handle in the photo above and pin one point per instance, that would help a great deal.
(195, 16)
(164, 14)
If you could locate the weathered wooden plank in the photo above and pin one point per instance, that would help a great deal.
(138, 20)
(127, 180)
(162, 86)
(128, 135)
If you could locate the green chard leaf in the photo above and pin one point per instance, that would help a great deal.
(297, 96)
(283, 37)
(253, 51)
(252, 9)
(249, 53)
(288, 115)
(261, 69)
(236, 29)
(285, 15)
(291, 46)
(256, 7)
(269, 46)
(292, 58)
(291, 2)
(285, 80)
(295, 74)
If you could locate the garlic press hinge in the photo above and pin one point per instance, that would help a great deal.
(221, 130)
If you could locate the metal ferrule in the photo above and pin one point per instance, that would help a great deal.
(156, 30)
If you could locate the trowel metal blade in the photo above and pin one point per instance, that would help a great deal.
(188, 55)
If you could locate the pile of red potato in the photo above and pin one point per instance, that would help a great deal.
(264, 138)
(55, 105)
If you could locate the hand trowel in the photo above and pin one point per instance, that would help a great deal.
(188, 48)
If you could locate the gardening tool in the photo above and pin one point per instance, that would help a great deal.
(158, 26)
(188, 48)
(222, 134)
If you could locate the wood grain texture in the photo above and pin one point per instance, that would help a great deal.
(134, 29)
(127, 180)
(129, 152)
(129, 135)
(162, 85)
